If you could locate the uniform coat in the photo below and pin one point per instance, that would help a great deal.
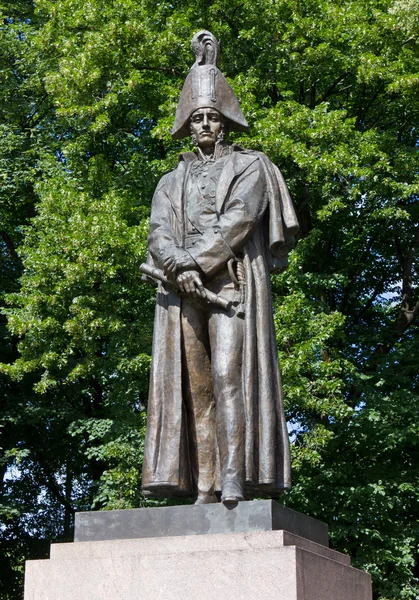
(257, 222)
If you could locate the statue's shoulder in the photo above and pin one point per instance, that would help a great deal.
(172, 180)
(184, 159)
(264, 161)
(243, 158)
(168, 179)
(164, 181)
(255, 154)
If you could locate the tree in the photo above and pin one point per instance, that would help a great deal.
(23, 107)
(330, 90)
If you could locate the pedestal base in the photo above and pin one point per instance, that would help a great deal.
(257, 515)
(268, 565)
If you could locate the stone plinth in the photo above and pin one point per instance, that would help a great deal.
(273, 565)
(258, 515)
(249, 552)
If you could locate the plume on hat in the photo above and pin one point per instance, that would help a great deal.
(206, 87)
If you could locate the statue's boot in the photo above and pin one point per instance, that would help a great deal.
(231, 493)
(206, 498)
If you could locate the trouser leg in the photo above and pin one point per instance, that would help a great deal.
(198, 395)
(226, 340)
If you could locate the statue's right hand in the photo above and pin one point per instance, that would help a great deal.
(190, 283)
(178, 259)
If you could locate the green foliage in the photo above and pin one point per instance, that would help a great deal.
(88, 96)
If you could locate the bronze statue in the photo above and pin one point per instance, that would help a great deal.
(220, 223)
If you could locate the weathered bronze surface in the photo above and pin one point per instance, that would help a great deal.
(224, 219)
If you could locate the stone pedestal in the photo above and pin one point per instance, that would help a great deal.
(249, 564)
(258, 515)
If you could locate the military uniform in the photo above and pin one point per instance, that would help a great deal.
(215, 410)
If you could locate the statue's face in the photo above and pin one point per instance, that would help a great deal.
(206, 125)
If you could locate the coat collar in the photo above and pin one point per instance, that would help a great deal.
(237, 162)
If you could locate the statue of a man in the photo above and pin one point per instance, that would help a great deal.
(220, 222)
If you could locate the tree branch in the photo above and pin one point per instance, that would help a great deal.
(398, 248)
(365, 105)
(51, 483)
(412, 251)
(9, 245)
(331, 89)
(354, 275)
(377, 290)
(411, 39)
(407, 313)
(230, 22)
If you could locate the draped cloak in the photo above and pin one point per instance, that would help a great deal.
(166, 467)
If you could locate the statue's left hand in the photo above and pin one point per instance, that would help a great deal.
(190, 283)
(180, 259)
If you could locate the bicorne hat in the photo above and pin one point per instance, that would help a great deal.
(206, 87)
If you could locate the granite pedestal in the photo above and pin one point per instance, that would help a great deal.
(254, 557)
(258, 515)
